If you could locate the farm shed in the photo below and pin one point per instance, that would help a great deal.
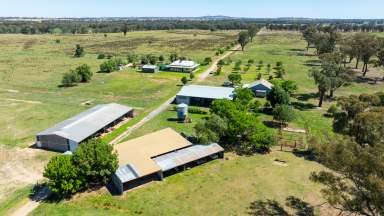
(67, 135)
(149, 157)
(183, 66)
(203, 95)
(261, 87)
(150, 69)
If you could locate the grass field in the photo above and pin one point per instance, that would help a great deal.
(31, 68)
(222, 187)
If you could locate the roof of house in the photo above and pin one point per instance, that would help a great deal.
(259, 82)
(138, 153)
(149, 67)
(184, 64)
(87, 123)
(207, 92)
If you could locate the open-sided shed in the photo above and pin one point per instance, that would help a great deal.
(67, 135)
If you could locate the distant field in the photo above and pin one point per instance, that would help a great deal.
(31, 67)
(222, 187)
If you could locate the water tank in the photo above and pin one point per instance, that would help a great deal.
(182, 111)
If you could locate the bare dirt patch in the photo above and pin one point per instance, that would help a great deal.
(19, 168)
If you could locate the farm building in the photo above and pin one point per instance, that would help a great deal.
(261, 87)
(183, 66)
(150, 69)
(67, 135)
(156, 155)
(203, 95)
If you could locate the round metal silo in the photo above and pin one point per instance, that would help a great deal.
(182, 111)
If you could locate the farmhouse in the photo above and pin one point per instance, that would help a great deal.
(67, 135)
(261, 87)
(150, 69)
(156, 155)
(183, 66)
(203, 95)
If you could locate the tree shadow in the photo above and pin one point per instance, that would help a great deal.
(306, 96)
(369, 80)
(313, 63)
(273, 208)
(306, 154)
(303, 106)
(272, 124)
(266, 208)
(301, 208)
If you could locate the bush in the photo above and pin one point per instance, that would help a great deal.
(197, 110)
(85, 73)
(184, 80)
(63, 176)
(57, 41)
(283, 113)
(235, 78)
(70, 79)
(110, 65)
(192, 76)
(101, 56)
(277, 96)
(93, 164)
(96, 161)
(207, 61)
(79, 51)
(332, 110)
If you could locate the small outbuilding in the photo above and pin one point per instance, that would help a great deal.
(156, 155)
(183, 66)
(150, 69)
(261, 87)
(67, 135)
(198, 95)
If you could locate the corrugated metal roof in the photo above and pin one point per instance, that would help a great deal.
(260, 82)
(184, 64)
(149, 67)
(207, 92)
(184, 156)
(82, 126)
(127, 173)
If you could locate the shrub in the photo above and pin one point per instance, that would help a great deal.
(85, 73)
(332, 110)
(184, 80)
(197, 110)
(110, 65)
(79, 51)
(97, 162)
(259, 76)
(57, 41)
(101, 56)
(63, 176)
(192, 76)
(207, 61)
(283, 113)
(161, 58)
(235, 78)
(70, 79)
(277, 96)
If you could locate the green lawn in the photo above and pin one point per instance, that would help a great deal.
(221, 187)
(31, 67)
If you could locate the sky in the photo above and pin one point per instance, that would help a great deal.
(346, 9)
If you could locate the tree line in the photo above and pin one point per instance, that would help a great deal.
(80, 26)
(85, 27)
